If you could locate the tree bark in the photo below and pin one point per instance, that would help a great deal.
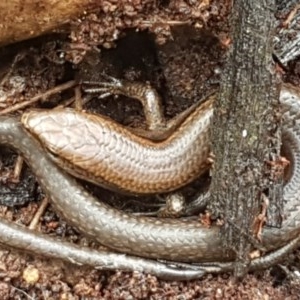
(245, 130)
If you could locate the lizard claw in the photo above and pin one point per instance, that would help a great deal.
(109, 86)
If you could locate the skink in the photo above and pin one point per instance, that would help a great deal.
(148, 237)
(104, 152)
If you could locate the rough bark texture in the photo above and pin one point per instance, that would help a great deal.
(245, 130)
(23, 19)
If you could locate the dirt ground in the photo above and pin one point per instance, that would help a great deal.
(184, 64)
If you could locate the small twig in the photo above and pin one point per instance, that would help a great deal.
(78, 99)
(18, 169)
(55, 90)
(35, 220)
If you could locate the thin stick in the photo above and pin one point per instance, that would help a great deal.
(55, 90)
(35, 220)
